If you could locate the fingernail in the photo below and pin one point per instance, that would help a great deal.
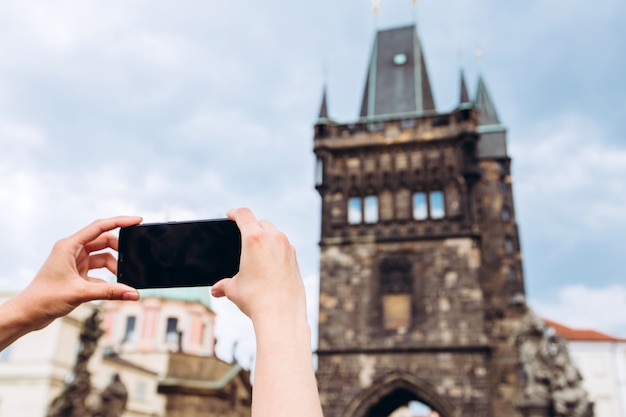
(130, 296)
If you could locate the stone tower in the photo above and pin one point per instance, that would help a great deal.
(420, 264)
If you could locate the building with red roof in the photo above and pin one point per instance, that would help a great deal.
(601, 360)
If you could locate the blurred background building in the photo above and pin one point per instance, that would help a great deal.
(601, 359)
(162, 347)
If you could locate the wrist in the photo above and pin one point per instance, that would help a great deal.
(15, 323)
(278, 330)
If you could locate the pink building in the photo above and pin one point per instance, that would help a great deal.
(163, 321)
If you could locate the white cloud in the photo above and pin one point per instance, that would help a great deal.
(587, 307)
(570, 179)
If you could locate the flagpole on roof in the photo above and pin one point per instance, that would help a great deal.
(376, 9)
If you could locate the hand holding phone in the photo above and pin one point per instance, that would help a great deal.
(178, 254)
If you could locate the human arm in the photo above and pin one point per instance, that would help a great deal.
(63, 283)
(269, 290)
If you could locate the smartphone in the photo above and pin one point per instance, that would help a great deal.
(178, 254)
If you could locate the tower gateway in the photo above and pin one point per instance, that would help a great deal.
(421, 283)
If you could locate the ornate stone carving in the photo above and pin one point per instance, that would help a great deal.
(549, 376)
(72, 400)
(113, 399)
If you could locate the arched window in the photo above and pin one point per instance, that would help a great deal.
(363, 210)
(420, 208)
(437, 206)
(429, 205)
(355, 211)
(129, 331)
(319, 171)
(506, 214)
(370, 209)
(508, 244)
(171, 331)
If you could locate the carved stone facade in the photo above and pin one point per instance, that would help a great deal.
(205, 386)
(420, 262)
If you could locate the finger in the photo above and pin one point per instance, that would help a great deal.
(96, 280)
(267, 225)
(95, 229)
(102, 290)
(103, 260)
(245, 219)
(218, 290)
(104, 241)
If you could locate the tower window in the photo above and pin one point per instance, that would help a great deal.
(363, 210)
(371, 209)
(129, 332)
(503, 184)
(420, 209)
(506, 214)
(437, 207)
(319, 171)
(512, 274)
(376, 126)
(508, 245)
(355, 212)
(429, 205)
(140, 391)
(171, 331)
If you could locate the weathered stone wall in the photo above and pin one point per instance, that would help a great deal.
(501, 278)
(457, 381)
(446, 299)
(184, 405)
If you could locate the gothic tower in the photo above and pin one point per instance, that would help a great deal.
(420, 262)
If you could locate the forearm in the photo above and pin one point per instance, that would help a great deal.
(13, 323)
(284, 379)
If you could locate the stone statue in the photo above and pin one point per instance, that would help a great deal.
(71, 401)
(549, 375)
(113, 399)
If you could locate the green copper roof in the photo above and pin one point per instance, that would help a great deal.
(189, 294)
(487, 114)
(203, 384)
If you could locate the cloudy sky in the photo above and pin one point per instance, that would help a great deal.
(181, 110)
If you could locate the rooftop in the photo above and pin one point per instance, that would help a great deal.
(587, 335)
(188, 294)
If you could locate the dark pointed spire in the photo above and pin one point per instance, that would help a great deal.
(397, 79)
(487, 114)
(464, 98)
(324, 107)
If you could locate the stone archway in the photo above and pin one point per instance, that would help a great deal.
(392, 391)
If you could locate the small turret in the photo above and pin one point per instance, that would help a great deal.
(464, 96)
(487, 114)
(324, 107)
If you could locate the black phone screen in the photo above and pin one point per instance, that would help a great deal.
(180, 254)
